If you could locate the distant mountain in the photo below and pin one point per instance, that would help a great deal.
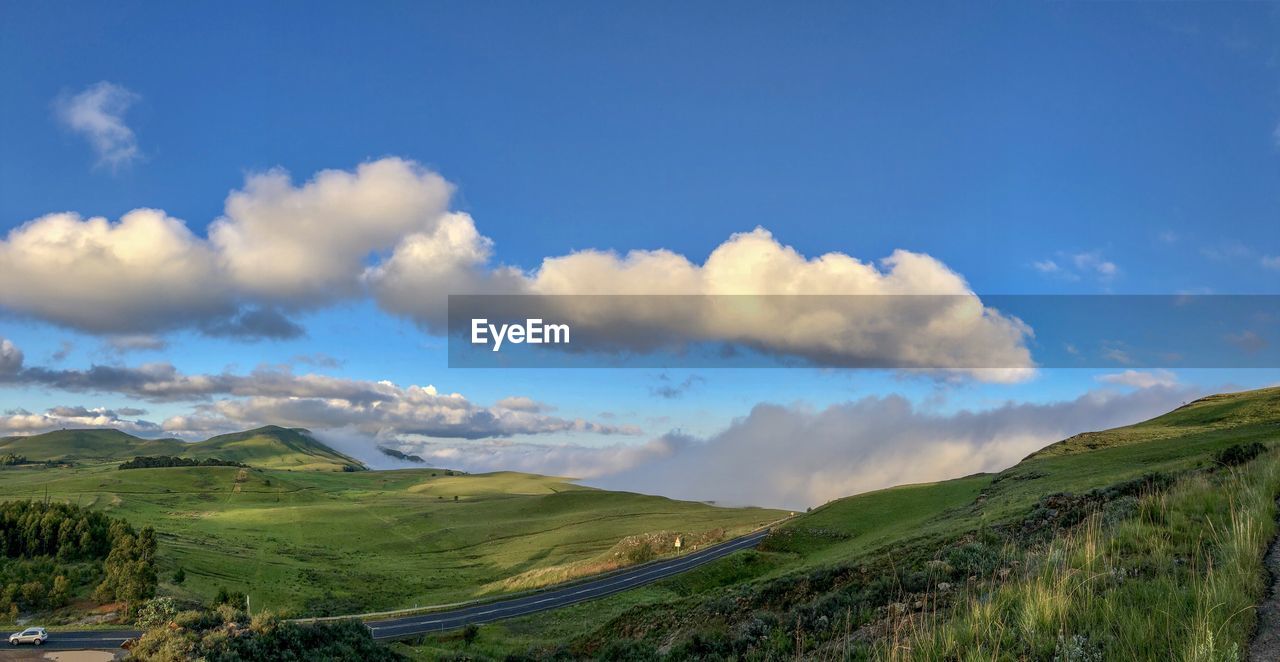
(269, 447)
(391, 452)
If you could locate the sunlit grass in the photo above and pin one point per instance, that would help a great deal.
(1178, 580)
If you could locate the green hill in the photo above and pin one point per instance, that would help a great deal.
(273, 447)
(270, 447)
(333, 542)
(87, 445)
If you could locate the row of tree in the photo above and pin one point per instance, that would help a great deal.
(52, 549)
(160, 461)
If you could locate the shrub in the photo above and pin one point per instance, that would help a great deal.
(1239, 454)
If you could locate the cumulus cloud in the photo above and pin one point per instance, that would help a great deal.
(385, 229)
(426, 267)
(1140, 378)
(954, 330)
(147, 272)
(305, 245)
(97, 114)
(278, 248)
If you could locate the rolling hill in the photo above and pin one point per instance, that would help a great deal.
(301, 536)
(273, 447)
(88, 445)
(269, 447)
(1140, 542)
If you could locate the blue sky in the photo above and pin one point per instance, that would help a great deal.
(1029, 148)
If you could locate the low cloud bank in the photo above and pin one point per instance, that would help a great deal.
(797, 458)
(794, 457)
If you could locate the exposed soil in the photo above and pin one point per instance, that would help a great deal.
(1265, 646)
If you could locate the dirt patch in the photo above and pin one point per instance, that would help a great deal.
(1265, 646)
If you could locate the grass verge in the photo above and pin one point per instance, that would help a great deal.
(1175, 578)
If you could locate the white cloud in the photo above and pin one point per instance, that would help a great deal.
(869, 444)
(23, 422)
(277, 248)
(956, 332)
(385, 229)
(97, 113)
(306, 245)
(1140, 378)
(1271, 262)
(145, 273)
(1093, 262)
(1077, 266)
(426, 267)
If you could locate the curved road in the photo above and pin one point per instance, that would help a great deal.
(588, 590)
(440, 621)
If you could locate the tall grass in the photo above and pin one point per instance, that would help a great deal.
(1175, 579)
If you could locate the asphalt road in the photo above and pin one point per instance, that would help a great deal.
(440, 621)
(75, 641)
(398, 628)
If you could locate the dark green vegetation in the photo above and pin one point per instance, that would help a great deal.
(270, 447)
(1139, 542)
(53, 552)
(391, 452)
(226, 634)
(327, 542)
(163, 461)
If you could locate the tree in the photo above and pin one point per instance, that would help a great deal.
(60, 592)
(157, 612)
(469, 634)
(179, 576)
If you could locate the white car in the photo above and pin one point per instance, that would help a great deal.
(35, 636)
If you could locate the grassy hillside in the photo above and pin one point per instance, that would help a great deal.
(318, 542)
(857, 576)
(269, 447)
(273, 447)
(87, 445)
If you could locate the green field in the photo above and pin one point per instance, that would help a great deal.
(332, 541)
(832, 567)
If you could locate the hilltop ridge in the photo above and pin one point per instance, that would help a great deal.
(268, 447)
